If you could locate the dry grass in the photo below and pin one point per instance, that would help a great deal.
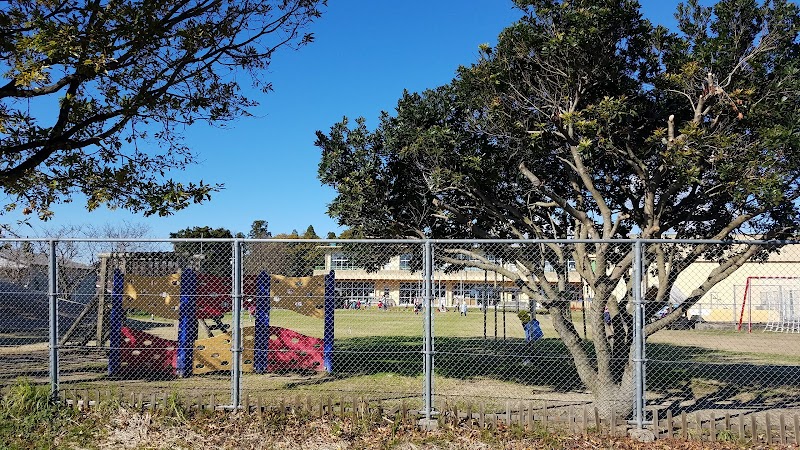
(133, 430)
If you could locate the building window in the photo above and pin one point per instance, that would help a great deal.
(570, 265)
(477, 292)
(340, 261)
(409, 292)
(349, 293)
(405, 262)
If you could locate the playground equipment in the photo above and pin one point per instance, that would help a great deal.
(778, 303)
(190, 298)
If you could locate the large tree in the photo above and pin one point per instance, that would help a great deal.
(97, 93)
(586, 121)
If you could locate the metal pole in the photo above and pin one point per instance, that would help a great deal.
(236, 341)
(428, 332)
(638, 406)
(495, 305)
(485, 303)
(329, 315)
(53, 310)
(583, 314)
(187, 319)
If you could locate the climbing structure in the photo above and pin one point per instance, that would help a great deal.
(191, 298)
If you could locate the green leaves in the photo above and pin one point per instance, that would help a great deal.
(109, 78)
(669, 130)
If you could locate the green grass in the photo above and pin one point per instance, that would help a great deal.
(378, 354)
(667, 345)
(30, 419)
(403, 322)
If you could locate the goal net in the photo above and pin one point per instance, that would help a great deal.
(772, 301)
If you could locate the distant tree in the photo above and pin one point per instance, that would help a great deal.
(115, 234)
(292, 259)
(300, 259)
(586, 121)
(208, 257)
(75, 260)
(259, 230)
(93, 88)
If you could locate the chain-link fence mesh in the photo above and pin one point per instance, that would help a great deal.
(523, 326)
(531, 322)
(133, 313)
(24, 312)
(337, 318)
(722, 327)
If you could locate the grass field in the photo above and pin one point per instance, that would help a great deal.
(756, 347)
(378, 354)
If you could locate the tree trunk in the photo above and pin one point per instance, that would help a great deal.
(609, 375)
(615, 397)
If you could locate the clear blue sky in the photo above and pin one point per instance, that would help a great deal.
(366, 52)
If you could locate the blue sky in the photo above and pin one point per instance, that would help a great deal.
(366, 52)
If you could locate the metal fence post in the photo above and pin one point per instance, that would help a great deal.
(638, 335)
(53, 320)
(428, 331)
(236, 338)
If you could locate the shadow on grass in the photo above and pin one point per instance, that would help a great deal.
(690, 377)
(694, 379)
(684, 378)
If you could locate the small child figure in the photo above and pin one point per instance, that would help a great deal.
(463, 307)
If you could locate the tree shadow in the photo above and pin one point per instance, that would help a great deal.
(694, 379)
(679, 378)
(688, 377)
(544, 363)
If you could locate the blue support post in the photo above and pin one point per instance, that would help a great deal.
(261, 340)
(187, 323)
(115, 319)
(330, 308)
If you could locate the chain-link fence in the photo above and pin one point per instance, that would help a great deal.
(633, 328)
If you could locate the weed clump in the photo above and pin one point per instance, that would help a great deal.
(31, 418)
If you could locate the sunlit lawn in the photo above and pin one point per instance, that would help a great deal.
(402, 322)
(398, 322)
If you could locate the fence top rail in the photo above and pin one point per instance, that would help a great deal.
(223, 240)
(414, 241)
(614, 241)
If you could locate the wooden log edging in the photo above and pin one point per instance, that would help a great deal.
(760, 427)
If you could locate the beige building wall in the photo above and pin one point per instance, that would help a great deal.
(391, 276)
(723, 303)
(776, 277)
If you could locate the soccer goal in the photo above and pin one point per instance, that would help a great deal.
(774, 301)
